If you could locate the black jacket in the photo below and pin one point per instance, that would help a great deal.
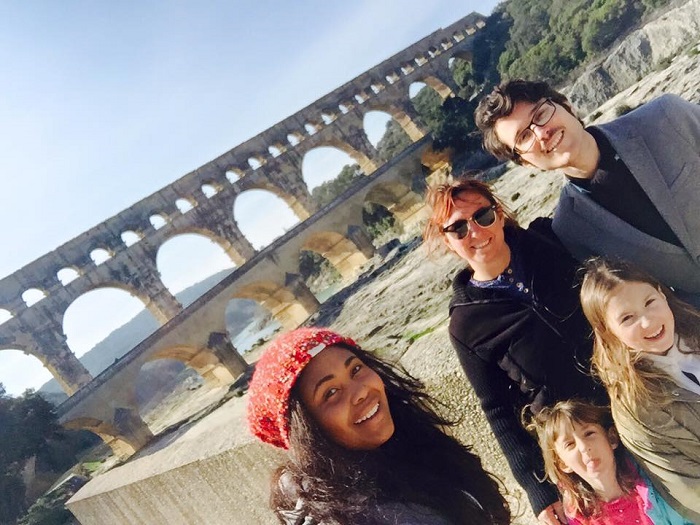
(519, 351)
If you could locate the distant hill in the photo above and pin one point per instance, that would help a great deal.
(238, 315)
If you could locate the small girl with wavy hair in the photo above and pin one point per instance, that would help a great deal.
(647, 353)
(599, 482)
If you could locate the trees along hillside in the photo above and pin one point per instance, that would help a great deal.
(29, 429)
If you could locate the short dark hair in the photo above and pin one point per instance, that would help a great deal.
(501, 102)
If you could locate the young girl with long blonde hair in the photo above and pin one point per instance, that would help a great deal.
(599, 482)
(647, 353)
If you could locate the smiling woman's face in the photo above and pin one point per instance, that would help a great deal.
(347, 399)
(483, 247)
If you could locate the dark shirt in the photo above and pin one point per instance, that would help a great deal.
(614, 188)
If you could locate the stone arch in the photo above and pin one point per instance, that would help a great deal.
(209, 189)
(233, 175)
(366, 164)
(459, 66)
(122, 446)
(191, 255)
(252, 210)
(32, 364)
(67, 274)
(131, 237)
(340, 251)
(117, 308)
(247, 322)
(312, 127)
(376, 124)
(408, 125)
(324, 164)
(33, 295)
(438, 85)
(158, 220)
(202, 360)
(5, 315)
(279, 300)
(276, 149)
(329, 115)
(295, 137)
(407, 206)
(100, 255)
(184, 205)
(256, 161)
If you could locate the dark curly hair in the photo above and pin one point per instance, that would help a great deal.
(420, 464)
(501, 102)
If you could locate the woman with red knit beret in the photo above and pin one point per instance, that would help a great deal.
(365, 444)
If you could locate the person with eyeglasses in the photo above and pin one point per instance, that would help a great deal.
(515, 322)
(633, 184)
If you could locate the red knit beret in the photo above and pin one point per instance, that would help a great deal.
(275, 375)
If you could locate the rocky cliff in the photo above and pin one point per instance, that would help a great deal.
(647, 49)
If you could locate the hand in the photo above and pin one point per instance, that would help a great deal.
(553, 515)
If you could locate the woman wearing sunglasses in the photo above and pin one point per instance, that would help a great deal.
(515, 322)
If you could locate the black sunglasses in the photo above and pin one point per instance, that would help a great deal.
(484, 217)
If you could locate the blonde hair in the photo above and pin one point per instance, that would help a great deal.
(552, 422)
(629, 378)
(441, 200)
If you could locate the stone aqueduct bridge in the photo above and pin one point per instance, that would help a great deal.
(271, 161)
(198, 336)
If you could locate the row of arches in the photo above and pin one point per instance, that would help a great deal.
(318, 166)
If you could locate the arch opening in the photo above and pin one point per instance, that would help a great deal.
(428, 104)
(233, 175)
(20, 371)
(324, 164)
(254, 163)
(319, 274)
(184, 205)
(169, 390)
(209, 190)
(312, 128)
(100, 255)
(463, 75)
(32, 296)
(108, 320)
(328, 116)
(130, 238)
(158, 221)
(5, 315)
(275, 151)
(252, 210)
(295, 138)
(67, 275)
(249, 324)
(190, 264)
(385, 134)
(380, 223)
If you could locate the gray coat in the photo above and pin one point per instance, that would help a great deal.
(660, 144)
(666, 443)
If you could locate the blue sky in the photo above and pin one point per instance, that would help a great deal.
(103, 103)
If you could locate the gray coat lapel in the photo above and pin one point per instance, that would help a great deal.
(634, 152)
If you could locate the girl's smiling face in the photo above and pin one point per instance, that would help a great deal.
(639, 316)
(347, 399)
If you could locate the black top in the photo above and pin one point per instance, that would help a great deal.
(614, 188)
(529, 350)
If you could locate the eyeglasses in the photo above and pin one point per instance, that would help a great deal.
(484, 217)
(526, 138)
